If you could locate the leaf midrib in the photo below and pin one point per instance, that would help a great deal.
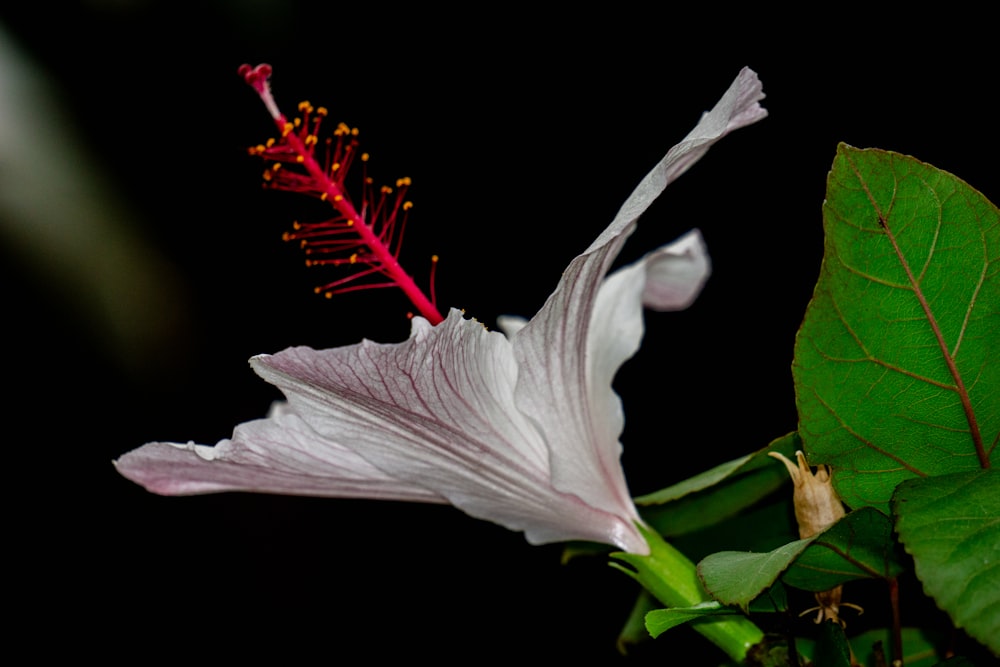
(959, 387)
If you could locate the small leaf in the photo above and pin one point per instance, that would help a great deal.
(859, 546)
(951, 526)
(736, 577)
(786, 444)
(647, 619)
(699, 482)
(897, 362)
(764, 526)
(659, 621)
(717, 494)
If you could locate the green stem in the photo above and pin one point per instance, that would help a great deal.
(672, 578)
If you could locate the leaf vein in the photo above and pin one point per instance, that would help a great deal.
(932, 320)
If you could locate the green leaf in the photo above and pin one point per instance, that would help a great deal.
(832, 649)
(859, 546)
(897, 362)
(775, 599)
(717, 494)
(736, 577)
(786, 444)
(634, 631)
(951, 526)
(763, 527)
(699, 482)
(647, 620)
(659, 621)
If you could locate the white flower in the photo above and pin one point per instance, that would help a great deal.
(520, 429)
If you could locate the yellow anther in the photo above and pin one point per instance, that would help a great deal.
(434, 258)
(323, 197)
(321, 111)
(300, 159)
(403, 181)
(304, 106)
(386, 190)
(364, 157)
(288, 127)
(354, 258)
(311, 140)
(276, 166)
(354, 131)
(338, 198)
(335, 167)
(297, 121)
(342, 128)
(350, 223)
(407, 205)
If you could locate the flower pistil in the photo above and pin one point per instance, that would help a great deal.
(369, 238)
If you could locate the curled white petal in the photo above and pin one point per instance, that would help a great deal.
(676, 273)
(569, 352)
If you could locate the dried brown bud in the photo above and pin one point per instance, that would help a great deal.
(817, 505)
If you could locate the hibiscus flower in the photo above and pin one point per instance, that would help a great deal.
(520, 428)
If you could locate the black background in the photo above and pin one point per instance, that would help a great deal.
(523, 134)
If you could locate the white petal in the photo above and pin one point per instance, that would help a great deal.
(738, 107)
(676, 273)
(569, 352)
(280, 454)
(438, 411)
